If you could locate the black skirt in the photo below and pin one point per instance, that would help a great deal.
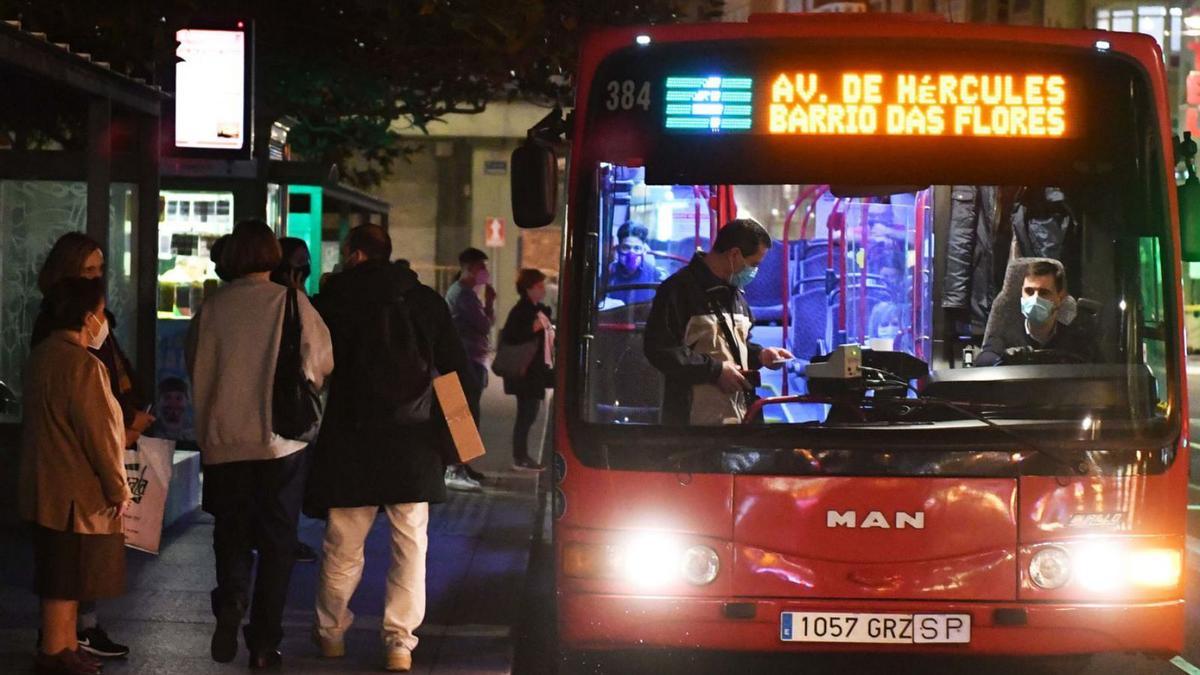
(74, 566)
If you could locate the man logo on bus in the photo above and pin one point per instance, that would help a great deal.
(875, 519)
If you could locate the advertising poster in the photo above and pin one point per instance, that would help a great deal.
(173, 402)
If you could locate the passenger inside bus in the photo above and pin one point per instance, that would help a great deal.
(698, 332)
(884, 327)
(1035, 320)
(633, 275)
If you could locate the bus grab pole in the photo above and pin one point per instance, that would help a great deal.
(863, 238)
(786, 290)
(918, 291)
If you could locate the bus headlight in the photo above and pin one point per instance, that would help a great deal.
(1154, 568)
(644, 560)
(649, 560)
(1050, 568)
(700, 565)
(1106, 567)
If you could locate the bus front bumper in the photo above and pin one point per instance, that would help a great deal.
(590, 621)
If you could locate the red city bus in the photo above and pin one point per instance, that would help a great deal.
(884, 492)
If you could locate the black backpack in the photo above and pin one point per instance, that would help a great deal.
(393, 373)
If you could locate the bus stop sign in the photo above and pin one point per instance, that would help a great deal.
(494, 232)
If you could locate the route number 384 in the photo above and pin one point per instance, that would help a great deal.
(627, 94)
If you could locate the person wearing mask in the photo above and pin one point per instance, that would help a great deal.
(698, 331)
(529, 321)
(73, 486)
(1048, 326)
(295, 266)
(382, 443)
(474, 321)
(253, 478)
(884, 325)
(633, 266)
(76, 255)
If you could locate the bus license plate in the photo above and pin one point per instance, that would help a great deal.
(875, 628)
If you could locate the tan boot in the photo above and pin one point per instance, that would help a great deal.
(399, 660)
(330, 648)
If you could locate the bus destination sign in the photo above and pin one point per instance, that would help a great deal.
(919, 104)
(905, 103)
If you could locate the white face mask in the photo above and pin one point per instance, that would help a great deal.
(96, 341)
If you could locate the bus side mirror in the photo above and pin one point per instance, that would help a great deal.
(1189, 202)
(1189, 219)
(534, 184)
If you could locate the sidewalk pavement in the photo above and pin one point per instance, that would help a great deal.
(478, 555)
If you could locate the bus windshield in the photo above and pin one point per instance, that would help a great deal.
(1012, 302)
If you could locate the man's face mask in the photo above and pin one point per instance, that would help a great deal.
(1036, 309)
(744, 276)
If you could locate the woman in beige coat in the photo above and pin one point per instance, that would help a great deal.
(73, 485)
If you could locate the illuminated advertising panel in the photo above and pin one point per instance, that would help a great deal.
(871, 103)
(210, 89)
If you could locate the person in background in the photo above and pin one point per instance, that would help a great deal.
(73, 486)
(172, 409)
(214, 255)
(295, 266)
(473, 320)
(528, 321)
(382, 443)
(76, 255)
(884, 323)
(293, 272)
(633, 266)
(253, 478)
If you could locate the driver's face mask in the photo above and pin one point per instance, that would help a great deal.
(1037, 310)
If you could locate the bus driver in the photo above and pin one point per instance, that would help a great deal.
(698, 332)
(1051, 321)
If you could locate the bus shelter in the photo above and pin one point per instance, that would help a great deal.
(79, 152)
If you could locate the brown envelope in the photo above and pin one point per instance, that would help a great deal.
(458, 416)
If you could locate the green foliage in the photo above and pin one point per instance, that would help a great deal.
(347, 68)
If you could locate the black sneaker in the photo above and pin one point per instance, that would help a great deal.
(305, 553)
(474, 475)
(96, 642)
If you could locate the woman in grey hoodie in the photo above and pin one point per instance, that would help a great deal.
(253, 477)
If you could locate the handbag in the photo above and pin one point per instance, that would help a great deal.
(295, 406)
(513, 360)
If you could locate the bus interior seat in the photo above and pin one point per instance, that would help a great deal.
(810, 312)
(814, 259)
(875, 295)
(764, 294)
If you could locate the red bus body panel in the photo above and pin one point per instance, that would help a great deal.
(786, 548)
(771, 533)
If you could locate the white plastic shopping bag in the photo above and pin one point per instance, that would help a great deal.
(149, 469)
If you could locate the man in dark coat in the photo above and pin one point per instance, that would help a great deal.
(364, 461)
